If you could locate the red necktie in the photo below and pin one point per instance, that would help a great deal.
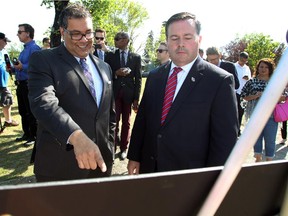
(169, 93)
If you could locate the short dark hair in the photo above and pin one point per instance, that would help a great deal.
(45, 39)
(101, 30)
(244, 55)
(73, 10)
(212, 51)
(123, 35)
(183, 16)
(28, 28)
(163, 44)
(269, 62)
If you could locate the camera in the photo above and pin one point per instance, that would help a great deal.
(15, 61)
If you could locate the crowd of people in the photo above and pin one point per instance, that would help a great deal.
(76, 100)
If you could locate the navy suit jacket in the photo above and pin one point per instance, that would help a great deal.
(230, 67)
(61, 102)
(200, 129)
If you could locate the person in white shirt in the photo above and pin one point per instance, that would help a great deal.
(244, 74)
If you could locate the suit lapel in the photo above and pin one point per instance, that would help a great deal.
(103, 75)
(72, 61)
(193, 78)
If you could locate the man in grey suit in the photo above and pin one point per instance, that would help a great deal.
(201, 126)
(73, 104)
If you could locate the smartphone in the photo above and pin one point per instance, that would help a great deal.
(127, 70)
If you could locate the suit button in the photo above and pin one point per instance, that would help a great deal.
(159, 136)
(152, 158)
(94, 139)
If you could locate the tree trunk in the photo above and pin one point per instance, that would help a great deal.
(55, 36)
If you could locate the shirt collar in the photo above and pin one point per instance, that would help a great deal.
(185, 68)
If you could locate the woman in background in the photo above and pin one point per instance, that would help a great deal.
(251, 92)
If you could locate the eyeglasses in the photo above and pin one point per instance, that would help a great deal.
(161, 50)
(19, 32)
(118, 38)
(99, 38)
(78, 36)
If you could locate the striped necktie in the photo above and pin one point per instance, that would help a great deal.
(88, 75)
(169, 93)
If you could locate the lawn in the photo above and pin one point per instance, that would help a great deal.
(14, 157)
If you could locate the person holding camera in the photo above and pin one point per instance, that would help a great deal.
(100, 47)
(29, 126)
(5, 94)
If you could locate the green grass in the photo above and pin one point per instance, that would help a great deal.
(14, 157)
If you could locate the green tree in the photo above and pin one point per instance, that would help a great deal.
(149, 55)
(117, 15)
(111, 15)
(152, 44)
(14, 50)
(257, 45)
(59, 5)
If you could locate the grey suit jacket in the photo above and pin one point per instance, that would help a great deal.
(62, 103)
(200, 129)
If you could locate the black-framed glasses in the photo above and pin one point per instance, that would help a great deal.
(78, 36)
(19, 32)
(99, 38)
(161, 50)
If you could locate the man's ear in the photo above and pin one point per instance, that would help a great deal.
(61, 32)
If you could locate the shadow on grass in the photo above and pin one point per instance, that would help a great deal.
(14, 159)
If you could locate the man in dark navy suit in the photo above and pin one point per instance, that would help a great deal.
(214, 57)
(201, 126)
(126, 71)
(71, 96)
(100, 48)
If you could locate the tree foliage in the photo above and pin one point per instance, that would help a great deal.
(257, 45)
(151, 45)
(111, 15)
(117, 15)
(59, 5)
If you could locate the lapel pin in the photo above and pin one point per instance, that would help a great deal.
(192, 79)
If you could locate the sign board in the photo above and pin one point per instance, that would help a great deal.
(258, 190)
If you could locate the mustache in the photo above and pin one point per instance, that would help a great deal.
(181, 49)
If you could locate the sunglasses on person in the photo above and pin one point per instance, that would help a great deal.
(161, 50)
(99, 38)
(19, 32)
